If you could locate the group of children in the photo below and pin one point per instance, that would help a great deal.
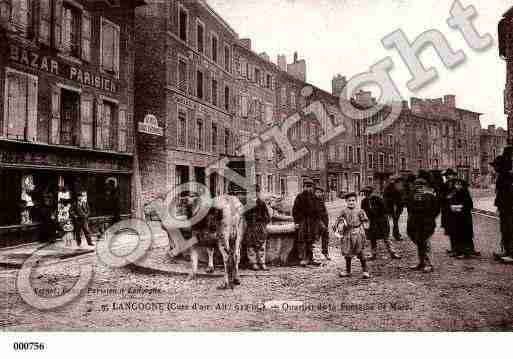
(73, 217)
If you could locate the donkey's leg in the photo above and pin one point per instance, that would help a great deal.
(194, 262)
(225, 255)
(210, 268)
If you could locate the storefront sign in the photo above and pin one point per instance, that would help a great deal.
(193, 105)
(74, 73)
(150, 126)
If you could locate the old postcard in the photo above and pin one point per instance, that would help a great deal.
(243, 165)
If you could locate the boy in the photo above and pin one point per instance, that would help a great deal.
(257, 219)
(81, 216)
(350, 228)
(323, 222)
(374, 207)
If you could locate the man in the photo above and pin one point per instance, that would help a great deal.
(379, 228)
(323, 223)
(446, 188)
(80, 213)
(423, 208)
(257, 219)
(307, 218)
(504, 201)
(112, 201)
(394, 203)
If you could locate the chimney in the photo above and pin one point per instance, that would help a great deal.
(297, 68)
(450, 101)
(246, 43)
(337, 84)
(265, 56)
(491, 128)
(282, 62)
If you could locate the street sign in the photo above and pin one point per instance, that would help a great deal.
(150, 126)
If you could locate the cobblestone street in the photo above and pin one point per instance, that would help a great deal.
(472, 294)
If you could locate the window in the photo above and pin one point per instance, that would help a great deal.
(200, 37)
(358, 155)
(227, 140)
(390, 140)
(370, 161)
(214, 48)
(182, 129)
(257, 75)
(403, 163)
(70, 105)
(122, 130)
(182, 75)
(244, 105)
(259, 180)
(199, 135)
(227, 98)
(214, 92)
(199, 84)
(350, 154)
(269, 113)
(107, 124)
(391, 161)
(270, 183)
(20, 14)
(20, 106)
(268, 81)
(283, 96)
(87, 124)
(182, 31)
(293, 99)
(71, 30)
(214, 137)
(381, 163)
(110, 47)
(227, 58)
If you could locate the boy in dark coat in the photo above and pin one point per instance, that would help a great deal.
(324, 222)
(257, 219)
(80, 213)
(307, 218)
(379, 228)
(446, 188)
(394, 204)
(423, 208)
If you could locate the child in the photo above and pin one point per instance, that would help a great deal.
(350, 228)
(81, 216)
(257, 219)
(65, 224)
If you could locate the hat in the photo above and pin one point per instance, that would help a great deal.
(308, 181)
(449, 172)
(350, 194)
(318, 188)
(367, 189)
(394, 178)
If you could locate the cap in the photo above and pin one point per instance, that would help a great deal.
(308, 181)
(350, 194)
(318, 188)
(421, 181)
(367, 189)
(449, 172)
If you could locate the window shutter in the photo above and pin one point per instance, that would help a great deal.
(17, 106)
(56, 115)
(5, 12)
(57, 24)
(45, 19)
(86, 36)
(98, 143)
(31, 134)
(122, 129)
(86, 121)
(116, 51)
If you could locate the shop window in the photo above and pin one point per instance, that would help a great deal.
(109, 47)
(21, 106)
(70, 107)
(182, 129)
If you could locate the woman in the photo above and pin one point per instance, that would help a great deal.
(459, 220)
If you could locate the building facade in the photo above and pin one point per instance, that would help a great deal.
(493, 140)
(505, 30)
(185, 79)
(66, 119)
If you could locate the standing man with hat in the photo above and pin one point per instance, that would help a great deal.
(423, 208)
(323, 222)
(447, 187)
(307, 219)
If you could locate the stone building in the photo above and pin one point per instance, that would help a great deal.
(493, 140)
(255, 85)
(66, 118)
(506, 53)
(185, 79)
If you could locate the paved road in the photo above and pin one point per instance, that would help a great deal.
(460, 295)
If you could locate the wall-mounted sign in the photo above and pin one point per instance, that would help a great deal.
(48, 64)
(150, 126)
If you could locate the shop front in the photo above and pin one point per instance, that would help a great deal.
(30, 173)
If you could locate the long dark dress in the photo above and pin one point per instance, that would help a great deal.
(460, 226)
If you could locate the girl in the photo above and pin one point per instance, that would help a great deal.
(459, 220)
(65, 223)
(350, 228)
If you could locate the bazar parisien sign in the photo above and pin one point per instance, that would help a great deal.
(150, 126)
(45, 63)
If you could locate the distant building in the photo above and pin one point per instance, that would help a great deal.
(493, 140)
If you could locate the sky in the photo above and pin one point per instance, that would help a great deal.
(344, 37)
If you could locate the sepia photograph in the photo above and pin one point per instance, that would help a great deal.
(255, 166)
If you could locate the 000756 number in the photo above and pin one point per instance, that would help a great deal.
(28, 346)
